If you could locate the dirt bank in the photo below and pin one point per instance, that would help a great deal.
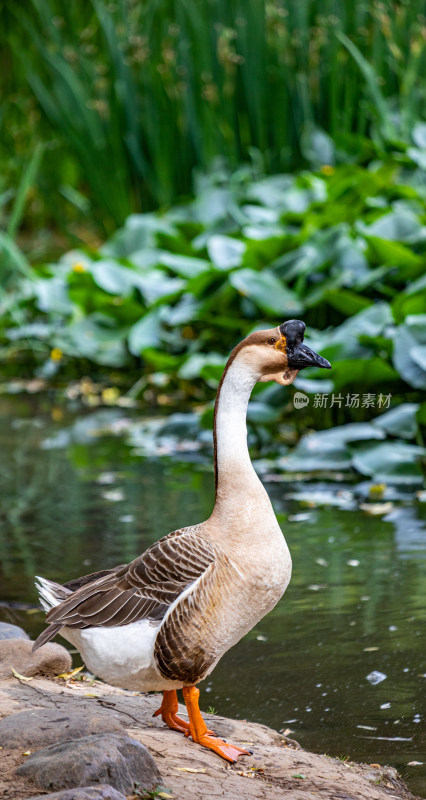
(276, 769)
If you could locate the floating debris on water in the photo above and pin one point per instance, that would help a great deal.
(113, 496)
(376, 509)
(376, 677)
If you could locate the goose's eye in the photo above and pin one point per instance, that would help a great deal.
(271, 341)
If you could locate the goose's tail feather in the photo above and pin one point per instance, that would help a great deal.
(46, 636)
(50, 594)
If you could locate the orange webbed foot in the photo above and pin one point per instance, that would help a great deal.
(168, 710)
(200, 732)
(228, 751)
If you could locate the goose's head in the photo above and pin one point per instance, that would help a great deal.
(278, 354)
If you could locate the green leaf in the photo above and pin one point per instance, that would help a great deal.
(418, 354)
(390, 462)
(371, 79)
(327, 450)
(27, 181)
(409, 304)
(225, 252)
(145, 333)
(156, 285)
(400, 421)
(394, 253)
(317, 146)
(141, 232)
(419, 134)
(368, 373)
(416, 324)
(113, 277)
(399, 226)
(185, 266)
(313, 386)
(407, 358)
(347, 302)
(267, 291)
(262, 413)
(195, 363)
(95, 338)
(52, 295)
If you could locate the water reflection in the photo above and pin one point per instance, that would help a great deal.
(77, 497)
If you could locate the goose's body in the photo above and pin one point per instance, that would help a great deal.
(163, 621)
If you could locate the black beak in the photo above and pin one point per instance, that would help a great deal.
(302, 356)
(299, 355)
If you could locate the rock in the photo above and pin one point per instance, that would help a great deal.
(50, 725)
(110, 758)
(49, 660)
(102, 792)
(9, 631)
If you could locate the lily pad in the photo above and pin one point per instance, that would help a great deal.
(390, 462)
(400, 421)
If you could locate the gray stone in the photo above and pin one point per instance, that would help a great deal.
(102, 792)
(9, 631)
(50, 725)
(109, 758)
(48, 661)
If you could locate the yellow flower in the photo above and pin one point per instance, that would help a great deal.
(78, 267)
(56, 354)
(110, 395)
(327, 169)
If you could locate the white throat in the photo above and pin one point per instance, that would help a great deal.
(234, 467)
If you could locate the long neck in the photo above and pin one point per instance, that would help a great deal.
(234, 472)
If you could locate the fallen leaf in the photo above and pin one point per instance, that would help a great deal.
(414, 763)
(376, 766)
(27, 753)
(68, 675)
(19, 676)
(299, 775)
(164, 795)
(88, 694)
(188, 769)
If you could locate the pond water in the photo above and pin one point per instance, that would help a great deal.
(341, 661)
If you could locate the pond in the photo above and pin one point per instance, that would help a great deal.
(341, 661)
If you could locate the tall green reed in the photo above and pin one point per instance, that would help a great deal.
(141, 92)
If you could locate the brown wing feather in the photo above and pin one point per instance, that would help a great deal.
(143, 589)
(180, 651)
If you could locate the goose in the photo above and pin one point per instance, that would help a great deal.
(162, 622)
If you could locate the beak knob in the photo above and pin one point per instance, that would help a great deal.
(299, 355)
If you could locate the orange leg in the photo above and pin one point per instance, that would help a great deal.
(199, 732)
(168, 711)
